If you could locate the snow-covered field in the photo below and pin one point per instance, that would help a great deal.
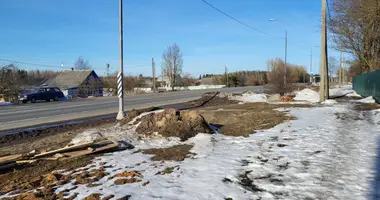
(329, 152)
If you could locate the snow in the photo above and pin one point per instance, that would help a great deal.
(250, 98)
(329, 102)
(327, 153)
(307, 95)
(118, 133)
(5, 103)
(341, 91)
(198, 87)
(365, 100)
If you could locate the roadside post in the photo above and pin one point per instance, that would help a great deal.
(120, 76)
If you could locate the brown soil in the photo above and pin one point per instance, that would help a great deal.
(244, 119)
(46, 139)
(170, 123)
(177, 153)
(39, 174)
(368, 106)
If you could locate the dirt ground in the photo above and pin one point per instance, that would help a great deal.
(177, 153)
(243, 119)
(46, 139)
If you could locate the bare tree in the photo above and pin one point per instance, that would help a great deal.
(333, 65)
(356, 25)
(172, 63)
(82, 64)
(276, 77)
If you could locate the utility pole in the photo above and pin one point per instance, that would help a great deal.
(108, 69)
(226, 74)
(311, 61)
(120, 76)
(286, 54)
(324, 85)
(341, 67)
(154, 75)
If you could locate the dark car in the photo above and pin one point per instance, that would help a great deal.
(45, 93)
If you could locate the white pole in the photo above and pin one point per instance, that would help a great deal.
(120, 77)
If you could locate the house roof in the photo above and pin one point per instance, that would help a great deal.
(69, 79)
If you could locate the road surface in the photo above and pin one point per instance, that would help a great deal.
(19, 116)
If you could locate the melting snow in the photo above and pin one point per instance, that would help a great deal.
(328, 153)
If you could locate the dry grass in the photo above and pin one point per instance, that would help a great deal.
(244, 119)
(177, 153)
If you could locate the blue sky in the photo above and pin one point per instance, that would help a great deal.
(54, 31)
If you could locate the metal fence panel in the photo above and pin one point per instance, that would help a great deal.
(368, 84)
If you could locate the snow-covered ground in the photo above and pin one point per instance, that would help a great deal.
(329, 152)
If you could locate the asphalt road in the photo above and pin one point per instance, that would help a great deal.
(19, 116)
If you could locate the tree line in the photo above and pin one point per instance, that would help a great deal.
(13, 79)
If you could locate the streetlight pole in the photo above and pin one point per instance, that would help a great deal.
(286, 54)
(120, 76)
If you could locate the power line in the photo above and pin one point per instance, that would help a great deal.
(59, 66)
(233, 18)
(34, 64)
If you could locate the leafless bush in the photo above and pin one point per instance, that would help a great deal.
(277, 74)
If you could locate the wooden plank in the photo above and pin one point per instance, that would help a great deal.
(88, 151)
(64, 149)
(25, 161)
(8, 159)
(107, 147)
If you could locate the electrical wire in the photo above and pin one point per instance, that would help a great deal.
(233, 18)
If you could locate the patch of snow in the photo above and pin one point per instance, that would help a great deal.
(329, 102)
(249, 98)
(365, 100)
(353, 94)
(308, 95)
(5, 103)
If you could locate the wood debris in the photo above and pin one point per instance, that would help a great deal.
(67, 152)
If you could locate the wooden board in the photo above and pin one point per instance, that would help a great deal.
(9, 159)
(71, 148)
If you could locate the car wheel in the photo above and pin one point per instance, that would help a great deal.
(56, 98)
(47, 100)
(24, 101)
(33, 100)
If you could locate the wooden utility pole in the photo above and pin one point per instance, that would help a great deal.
(324, 84)
(226, 74)
(154, 75)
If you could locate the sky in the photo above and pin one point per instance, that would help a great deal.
(51, 32)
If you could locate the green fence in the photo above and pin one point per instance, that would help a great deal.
(368, 84)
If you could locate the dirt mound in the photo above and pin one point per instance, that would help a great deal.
(172, 123)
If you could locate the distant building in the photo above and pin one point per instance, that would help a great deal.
(81, 83)
(165, 80)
